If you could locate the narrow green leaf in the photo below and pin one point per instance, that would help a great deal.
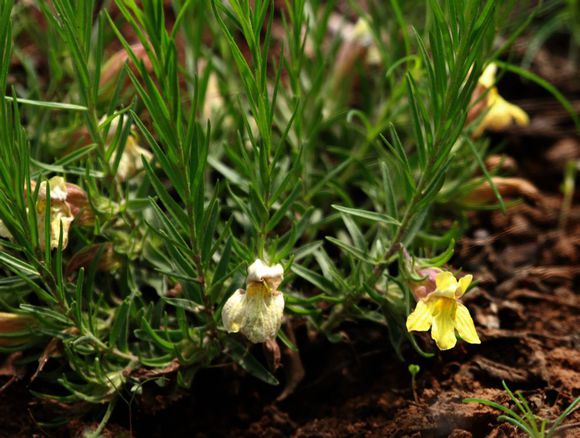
(365, 214)
(248, 362)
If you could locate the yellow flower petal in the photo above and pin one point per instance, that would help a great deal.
(487, 78)
(445, 281)
(420, 319)
(256, 288)
(502, 114)
(443, 330)
(464, 325)
(519, 115)
(463, 284)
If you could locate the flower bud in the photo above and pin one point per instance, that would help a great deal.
(80, 207)
(112, 68)
(131, 163)
(15, 329)
(424, 287)
(507, 187)
(213, 101)
(357, 42)
(504, 163)
(257, 313)
(108, 260)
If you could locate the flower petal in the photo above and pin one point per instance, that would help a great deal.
(420, 319)
(263, 317)
(464, 283)
(60, 218)
(260, 272)
(233, 312)
(445, 281)
(257, 288)
(487, 78)
(464, 325)
(502, 114)
(4, 232)
(519, 116)
(443, 330)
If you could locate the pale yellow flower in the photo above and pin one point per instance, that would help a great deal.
(214, 101)
(499, 114)
(441, 312)
(60, 212)
(130, 163)
(256, 312)
(67, 202)
(4, 232)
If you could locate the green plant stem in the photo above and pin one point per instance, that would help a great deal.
(207, 305)
(97, 432)
(341, 311)
(116, 352)
(414, 388)
(568, 188)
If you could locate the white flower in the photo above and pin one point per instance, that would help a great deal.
(257, 312)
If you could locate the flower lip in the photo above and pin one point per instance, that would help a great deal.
(259, 272)
(58, 189)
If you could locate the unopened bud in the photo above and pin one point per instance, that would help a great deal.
(15, 329)
(507, 187)
(424, 287)
(108, 261)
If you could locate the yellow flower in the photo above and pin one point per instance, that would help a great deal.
(256, 313)
(499, 112)
(441, 312)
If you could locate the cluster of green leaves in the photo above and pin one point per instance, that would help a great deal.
(524, 418)
(261, 149)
